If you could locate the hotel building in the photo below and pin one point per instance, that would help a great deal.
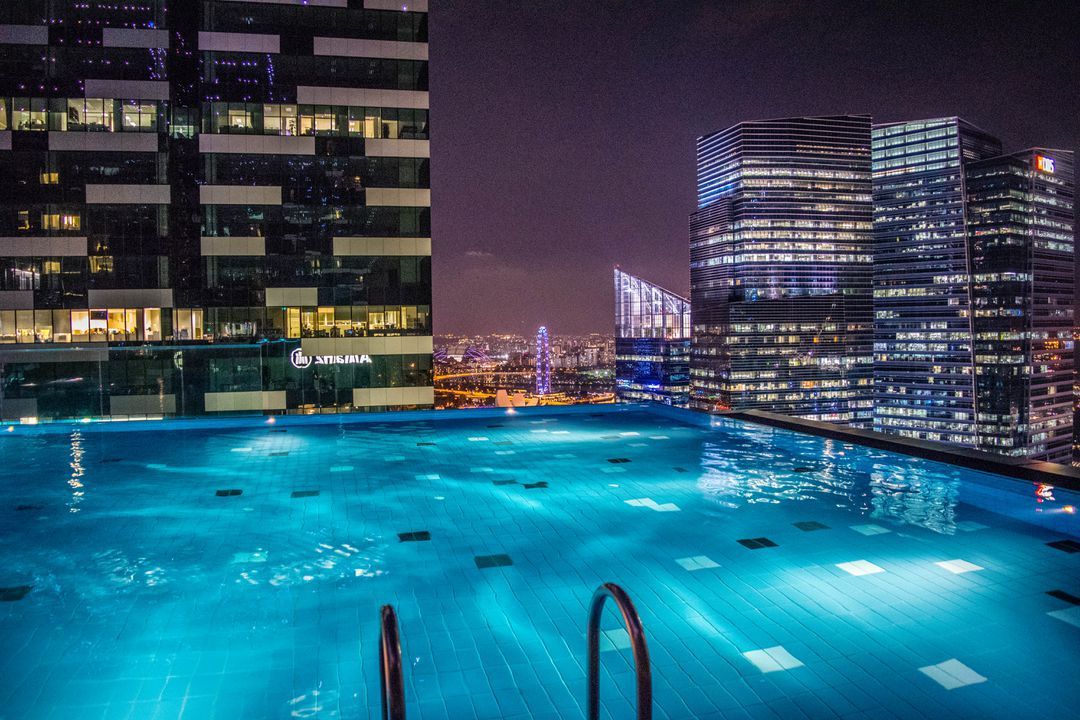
(213, 207)
(781, 250)
(652, 342)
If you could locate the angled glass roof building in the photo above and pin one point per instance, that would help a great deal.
(652, 342)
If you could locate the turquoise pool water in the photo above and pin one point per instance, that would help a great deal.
(869, 585)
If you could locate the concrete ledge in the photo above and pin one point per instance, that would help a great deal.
(131, 298)
(128, 194)
(245, 401)
(391, 147)
(397, 345)
(1031, 470)
(127, 89)
(382, 247)
(397, 197)
(397, 5)
(233, 246)
(24, 34)
(353, 47)
(395, 396)
(103, 142)
(134, 38)
(142, 404)
(58, 246)
(363, 97)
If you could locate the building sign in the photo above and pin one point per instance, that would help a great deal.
(1044, 164)
(301, 361)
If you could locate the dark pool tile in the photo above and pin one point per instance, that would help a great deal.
(803, 469)
(281, 453)
(1062, 595)
(1069, 546)
(679, 469)
(757, 543)
(415, 536)
(618, 460)
(490, 561)
(496, 426)
(503, 442)
(425, 444)
(542, 484)
(109, 461)
(232, 492)
(810, 525)
(11, 594)
(279, 430)
(504, 482)
(304, 493)
(24, 508)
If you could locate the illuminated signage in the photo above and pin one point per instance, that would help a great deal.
(300, 361)
(1044, 164)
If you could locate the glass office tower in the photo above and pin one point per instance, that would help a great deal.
(213, 207)
(652, 342)
(923, 380)
(781, 269)
(1020, 219)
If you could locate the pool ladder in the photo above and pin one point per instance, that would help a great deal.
(392, 683)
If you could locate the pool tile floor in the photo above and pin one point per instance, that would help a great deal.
(131, 592)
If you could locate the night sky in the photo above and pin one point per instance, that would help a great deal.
(563, 132)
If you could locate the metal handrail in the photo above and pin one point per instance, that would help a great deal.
(637, 641)
(392, 683)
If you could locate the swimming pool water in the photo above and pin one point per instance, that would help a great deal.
(238, 572)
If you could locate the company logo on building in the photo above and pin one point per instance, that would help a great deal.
(1044, 164)
(300, 361)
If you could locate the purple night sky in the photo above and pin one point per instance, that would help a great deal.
(564, 131)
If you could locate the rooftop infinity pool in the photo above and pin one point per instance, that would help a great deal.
(236, 571)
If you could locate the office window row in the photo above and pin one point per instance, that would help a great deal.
(80, 114)
(319, 120)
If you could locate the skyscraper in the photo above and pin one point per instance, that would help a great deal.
(1021, 216)
(923, 380)
(214, 207)
(780, 269)
(973, 294)
(652, 342)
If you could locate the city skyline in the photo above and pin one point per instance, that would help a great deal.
(531, 212)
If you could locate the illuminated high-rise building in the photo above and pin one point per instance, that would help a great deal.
(543, 362)
(213, 207)
(652, 342)
(781, 269)
(923, 379)
(1020, 227)
(974, 290)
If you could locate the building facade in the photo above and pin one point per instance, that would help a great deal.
(923, 379)
(212, 207)
(1020, 229)
(652, 343)
(781, 269)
